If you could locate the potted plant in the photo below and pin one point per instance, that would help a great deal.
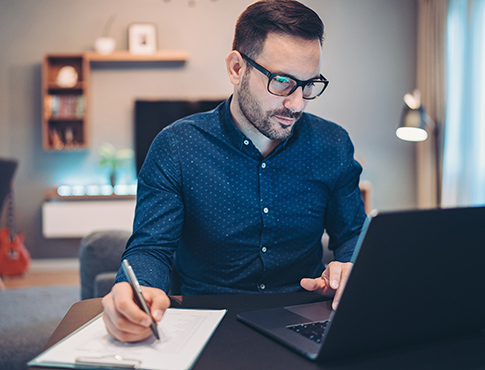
(113, 158)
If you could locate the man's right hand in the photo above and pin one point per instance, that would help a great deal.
(123, 318)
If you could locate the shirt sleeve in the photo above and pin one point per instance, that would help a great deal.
(345, 213)
(159, 216)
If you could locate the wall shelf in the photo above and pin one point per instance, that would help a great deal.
(125, 56)
(65, 118)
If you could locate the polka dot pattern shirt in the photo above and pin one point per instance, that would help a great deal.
(237, 221)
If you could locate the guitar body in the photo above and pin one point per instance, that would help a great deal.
(14, 257)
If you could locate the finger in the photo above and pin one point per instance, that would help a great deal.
(116, 331)
(336, 298)
(126, 306)
(118, 326)
(309, 284)
(318, 285)
(158, 301)
(334, 272)
(123, 318)
(345, 273)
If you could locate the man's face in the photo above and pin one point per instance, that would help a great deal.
(274, 116)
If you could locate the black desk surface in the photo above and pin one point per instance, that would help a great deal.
(236, 346)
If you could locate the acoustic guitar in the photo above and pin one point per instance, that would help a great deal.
(14, 256)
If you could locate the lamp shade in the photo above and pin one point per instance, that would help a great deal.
(413, 124)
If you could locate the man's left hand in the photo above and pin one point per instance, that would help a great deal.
(331, 283)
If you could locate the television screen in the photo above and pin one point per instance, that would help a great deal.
(151, 116)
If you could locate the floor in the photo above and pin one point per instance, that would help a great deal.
(44, 273)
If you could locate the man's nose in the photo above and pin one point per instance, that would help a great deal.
(295, 101)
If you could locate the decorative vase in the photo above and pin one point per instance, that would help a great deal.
(104, 45)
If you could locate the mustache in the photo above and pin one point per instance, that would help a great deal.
(287, 113)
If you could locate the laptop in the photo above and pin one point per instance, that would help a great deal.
(7, 171)
(418, 276)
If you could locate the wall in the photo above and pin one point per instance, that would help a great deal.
(369, 58)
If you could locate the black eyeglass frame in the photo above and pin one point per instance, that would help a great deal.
(299, 83)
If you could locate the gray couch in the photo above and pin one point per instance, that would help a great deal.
(100, 258)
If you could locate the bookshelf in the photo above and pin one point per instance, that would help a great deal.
(65, 112)
(65, 101)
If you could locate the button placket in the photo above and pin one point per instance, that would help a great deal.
(265, 203)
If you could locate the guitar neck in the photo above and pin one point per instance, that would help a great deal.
(11, 214)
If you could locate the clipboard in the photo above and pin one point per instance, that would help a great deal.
(183, 335)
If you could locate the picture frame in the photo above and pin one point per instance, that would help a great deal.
(142, 38)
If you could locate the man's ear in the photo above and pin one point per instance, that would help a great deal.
(235, 67)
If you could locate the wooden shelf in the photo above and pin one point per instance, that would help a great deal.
(126, 56)
(78, 86)
(67, 132)
(51, 195)
(65, 119)
(65, 123)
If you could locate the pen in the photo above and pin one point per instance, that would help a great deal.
(139, 296)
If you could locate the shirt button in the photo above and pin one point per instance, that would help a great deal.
(262, 286)
(246, 142)
(264, 249)
(263, 165)
(265, 210)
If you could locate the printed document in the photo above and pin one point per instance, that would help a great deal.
(183, 335)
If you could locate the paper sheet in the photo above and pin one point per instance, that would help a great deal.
(183, 335)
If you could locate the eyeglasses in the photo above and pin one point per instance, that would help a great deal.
(282, 85)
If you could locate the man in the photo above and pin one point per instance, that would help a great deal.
(243, 193)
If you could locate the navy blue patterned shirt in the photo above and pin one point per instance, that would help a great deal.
(240, 222)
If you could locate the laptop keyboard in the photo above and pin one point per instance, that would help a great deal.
(313, 330)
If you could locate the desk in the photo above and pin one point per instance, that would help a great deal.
(236, 346)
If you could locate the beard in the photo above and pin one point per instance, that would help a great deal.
(261, 120)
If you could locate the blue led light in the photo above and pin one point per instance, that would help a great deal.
(78, 190)
(106, 190)
(64, 190)
(96, 190)
(93, 190)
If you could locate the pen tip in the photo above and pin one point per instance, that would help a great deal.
(155, 333)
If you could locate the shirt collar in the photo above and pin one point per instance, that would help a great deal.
(235, 135)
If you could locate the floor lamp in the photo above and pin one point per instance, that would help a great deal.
(415, 125)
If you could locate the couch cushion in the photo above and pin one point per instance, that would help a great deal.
(100, 252)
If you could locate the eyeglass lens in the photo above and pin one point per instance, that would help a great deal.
(283, 85)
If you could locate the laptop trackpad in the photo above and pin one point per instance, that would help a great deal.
(318, 311)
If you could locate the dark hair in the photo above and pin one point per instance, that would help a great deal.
(288, 17)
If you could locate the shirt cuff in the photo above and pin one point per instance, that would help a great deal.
(148, 271)
(345, 251)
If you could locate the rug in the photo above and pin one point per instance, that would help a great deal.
(28, 317)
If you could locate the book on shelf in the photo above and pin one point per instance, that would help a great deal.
(67, 106)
